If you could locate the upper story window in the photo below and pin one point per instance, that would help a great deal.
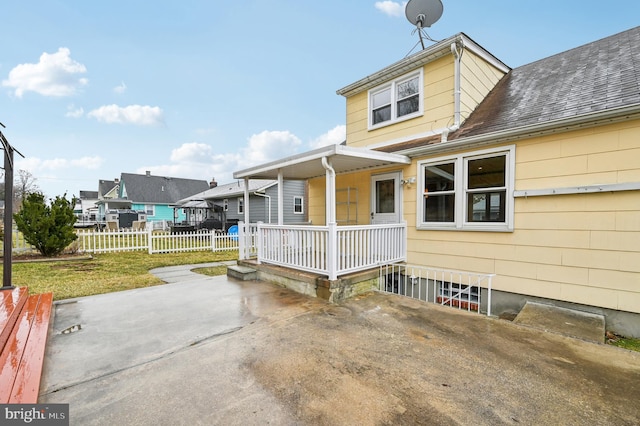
(150, 209)
(240, 205)
(395, 101)
(225, 204)
(468, 191)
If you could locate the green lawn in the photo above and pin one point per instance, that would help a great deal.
(105, 273)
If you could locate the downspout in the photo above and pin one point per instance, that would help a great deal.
(268, 197)
(332, 231)
(330, 191)
(457, 48)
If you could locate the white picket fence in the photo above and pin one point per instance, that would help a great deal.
(154, 241)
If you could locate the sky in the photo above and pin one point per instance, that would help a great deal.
(202, 88)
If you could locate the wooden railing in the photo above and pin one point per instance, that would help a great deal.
(330, 250)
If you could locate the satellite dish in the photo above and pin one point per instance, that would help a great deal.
(423, 13)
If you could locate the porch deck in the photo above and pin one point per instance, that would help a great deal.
(316, 284)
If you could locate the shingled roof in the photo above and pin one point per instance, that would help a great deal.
(159, 189)
(598, 76)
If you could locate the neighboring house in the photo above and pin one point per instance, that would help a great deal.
(108, 198)
(86, 209)
(153, 195)
(228, 200)
(531, 174)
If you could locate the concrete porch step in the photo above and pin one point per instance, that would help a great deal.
(569, 322)
(243, 273)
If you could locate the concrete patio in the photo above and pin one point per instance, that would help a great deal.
(213, 350)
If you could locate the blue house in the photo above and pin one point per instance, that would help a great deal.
(153, 195)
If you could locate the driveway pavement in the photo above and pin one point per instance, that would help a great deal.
(215, 351)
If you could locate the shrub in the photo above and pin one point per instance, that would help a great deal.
(48, 228)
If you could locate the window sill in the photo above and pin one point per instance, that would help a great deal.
(396, 121)
(494, 228)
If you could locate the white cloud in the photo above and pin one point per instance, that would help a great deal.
(141, 115)
(56, 74)
(200, 161)
(334, 136)
(38, 165)
(192, 153)
(269, 145)
(195, 160)
(74, 112)
(121, 88)
(90, 163)
(391, 8)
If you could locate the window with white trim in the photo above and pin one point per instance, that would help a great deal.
(298, 205)
(397, 100)
(225, 205)
(470, 191)
(240, 205)
(150, 209)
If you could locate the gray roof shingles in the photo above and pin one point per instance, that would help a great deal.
(160, 189)
(598, 76)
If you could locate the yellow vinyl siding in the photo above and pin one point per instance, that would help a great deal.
(581, 248)
(605, 155)
(477, 78)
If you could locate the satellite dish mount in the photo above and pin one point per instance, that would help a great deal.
(423, 14)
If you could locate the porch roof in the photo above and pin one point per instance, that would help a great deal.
(307, 165)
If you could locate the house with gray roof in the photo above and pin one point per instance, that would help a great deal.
(528, 175)
(153, 195)
(225, 202)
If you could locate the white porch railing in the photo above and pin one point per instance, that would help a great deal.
(458, 289)
(328, 250)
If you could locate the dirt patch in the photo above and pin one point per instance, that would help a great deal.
(37, 257)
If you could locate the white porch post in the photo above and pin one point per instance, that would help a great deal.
(241, 241)
(280, 198)
(260, 242)
(246, 222)
(246, 200)
(330, 205)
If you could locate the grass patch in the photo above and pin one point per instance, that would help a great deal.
(104, 273)
(623, 342)
(212, 271)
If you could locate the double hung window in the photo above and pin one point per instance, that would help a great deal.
(468, 191)
(395, 101)
(298, 206)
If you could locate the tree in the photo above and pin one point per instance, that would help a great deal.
(26, 183)
(48, 228)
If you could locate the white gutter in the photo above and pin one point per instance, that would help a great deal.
(330, 191)
(268, 197)
(457, 48)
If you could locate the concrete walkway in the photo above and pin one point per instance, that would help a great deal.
(215, 351)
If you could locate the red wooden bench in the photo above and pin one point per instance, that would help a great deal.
(24, 324)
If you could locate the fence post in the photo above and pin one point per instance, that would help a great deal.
(150, 237)
(260, 242)
(332, 251)
(241, 240)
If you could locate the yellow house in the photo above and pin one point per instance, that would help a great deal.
(455, 162)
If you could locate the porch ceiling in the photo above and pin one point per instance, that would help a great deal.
(308, 165)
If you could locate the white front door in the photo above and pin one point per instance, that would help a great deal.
(385, 198)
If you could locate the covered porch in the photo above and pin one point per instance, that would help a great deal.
(326, 249)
